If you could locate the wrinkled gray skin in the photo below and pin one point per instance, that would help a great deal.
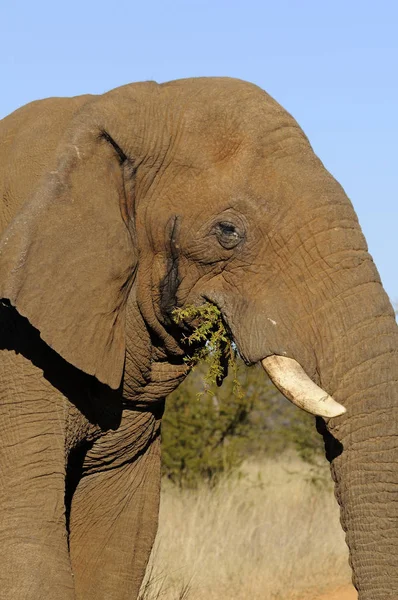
(116, 209)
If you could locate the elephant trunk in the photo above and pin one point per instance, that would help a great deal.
(335, 319)
(362, 444)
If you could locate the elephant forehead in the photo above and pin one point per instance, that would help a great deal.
(198, 123)
(206, 99)
(209, 120)
(205, 139)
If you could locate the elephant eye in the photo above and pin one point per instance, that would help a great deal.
(227, 234)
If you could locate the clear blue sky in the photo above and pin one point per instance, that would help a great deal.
(332, 64)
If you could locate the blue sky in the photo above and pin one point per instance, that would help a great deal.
(333, 65)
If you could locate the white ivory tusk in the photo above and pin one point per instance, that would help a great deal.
(291, 379)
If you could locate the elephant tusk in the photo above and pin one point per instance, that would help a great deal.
(291, 379)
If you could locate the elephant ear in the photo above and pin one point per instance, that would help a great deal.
(67, 259)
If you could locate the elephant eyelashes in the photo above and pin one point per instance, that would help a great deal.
(227, 235)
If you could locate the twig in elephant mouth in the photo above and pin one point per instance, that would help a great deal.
(209, 341)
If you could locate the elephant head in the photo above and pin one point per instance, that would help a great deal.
(206, 190)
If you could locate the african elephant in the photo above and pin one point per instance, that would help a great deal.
(119, 208)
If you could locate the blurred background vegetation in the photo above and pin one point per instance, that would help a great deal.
(208, 432)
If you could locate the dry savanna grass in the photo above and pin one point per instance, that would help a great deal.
(270, 534)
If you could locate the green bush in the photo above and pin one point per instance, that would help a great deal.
(204, 430)
(208, 431)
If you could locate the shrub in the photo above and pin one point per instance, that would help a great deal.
(208, 431)
(204, 430)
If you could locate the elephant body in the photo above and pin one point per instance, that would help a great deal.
(96, 438)
(96, 446)
(116, 210)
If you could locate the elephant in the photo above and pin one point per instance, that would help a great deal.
(118, 209)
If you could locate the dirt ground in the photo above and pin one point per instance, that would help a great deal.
(346, 593)
(341, 593)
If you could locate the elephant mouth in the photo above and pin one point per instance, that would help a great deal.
(291, 379)
(288, 376)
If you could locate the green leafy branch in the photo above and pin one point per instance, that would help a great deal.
(211, 343)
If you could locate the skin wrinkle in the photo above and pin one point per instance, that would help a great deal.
(371, 338)
(140, 478)
(314, 238)
(171, 282)
(329, 303)
(310, 267)
(371, 359)
(163, 159)
(368, 320)
(298, 249)
(328, 271)
(337, 209)
(346, 362)
(373, 415)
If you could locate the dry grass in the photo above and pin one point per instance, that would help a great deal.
(270, 534)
